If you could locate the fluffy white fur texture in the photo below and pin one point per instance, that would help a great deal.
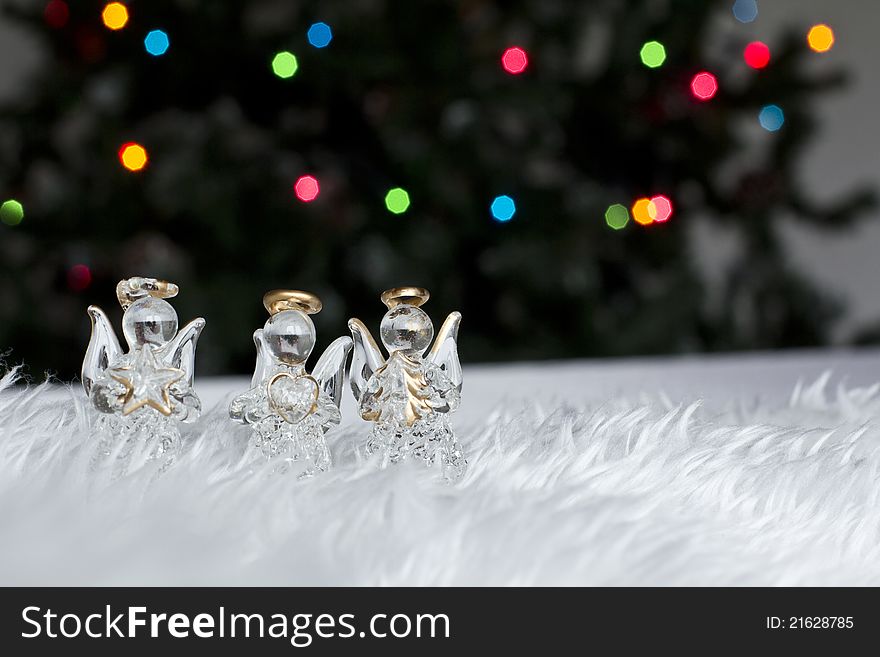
(621, 493)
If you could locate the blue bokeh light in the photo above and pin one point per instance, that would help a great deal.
(771, 118)
(156, 42)
(745, 11)
(503, 208)
(320, 35)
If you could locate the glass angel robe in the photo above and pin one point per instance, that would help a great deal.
(288, 409)
(409, 396)
(143, 394)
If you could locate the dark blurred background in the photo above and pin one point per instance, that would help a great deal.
(770, 243)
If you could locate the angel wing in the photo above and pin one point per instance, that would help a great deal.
(366, 357)
(329, 371)
(264, 360)
(102, 350)
(181, 351)
(444, 353)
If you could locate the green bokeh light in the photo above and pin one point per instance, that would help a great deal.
(11, 212)
(397, 200)
(284, 64)
(653, 54)
(617, 216)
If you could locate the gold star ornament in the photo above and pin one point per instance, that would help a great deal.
(147, 382)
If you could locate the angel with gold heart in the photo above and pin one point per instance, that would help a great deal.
(288, 409)
(409, 396)
(141, 395)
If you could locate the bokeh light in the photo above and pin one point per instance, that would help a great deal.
(133, 156)
(771, 117)
(11, 212)
(662, 208)
(514, 60)
(704, 86)
(644, 211)
(156, 42)
(820, 37)
(745, 11)
(56, 14)
(757, 54)
(320, 35)
(616, 216)
(115, 15)
(284, 64)
(653, 54)
(79, 277)
(397, 200)
(503, 208)
(307, 188)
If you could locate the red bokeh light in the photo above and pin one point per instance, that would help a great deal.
(514, 60)
(307, 188)
(90, 44)
(662, 208)
(79, 277)
(757, 54)
(56, 14)
(704, 86)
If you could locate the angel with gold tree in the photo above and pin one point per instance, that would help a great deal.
(410, 396)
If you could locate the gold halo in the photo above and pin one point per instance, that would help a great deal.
(277, 300)
(164, 290)
(153, 287)
(410, 296)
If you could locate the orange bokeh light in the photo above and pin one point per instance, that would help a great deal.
(820, 37)
(644, 211)
(133, 156)
(115, 15)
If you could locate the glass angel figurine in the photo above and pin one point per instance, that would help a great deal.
(409, 397)
(143, 394)
(288, 409)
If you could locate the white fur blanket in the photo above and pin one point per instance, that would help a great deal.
(588, 488)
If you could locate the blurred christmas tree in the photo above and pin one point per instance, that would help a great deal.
(412, 95)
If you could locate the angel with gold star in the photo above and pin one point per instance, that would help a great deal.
(409, 396)
(142, 394)
(288, 409)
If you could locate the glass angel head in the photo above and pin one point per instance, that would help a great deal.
(290, 336)
(149, 321)
(406, 327)
(289, 333)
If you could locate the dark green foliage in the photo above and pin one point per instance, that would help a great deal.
(411, 94)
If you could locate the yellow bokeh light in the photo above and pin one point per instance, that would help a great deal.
(820, 38)
(115, 15)
(644, 211)
(133, 157)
